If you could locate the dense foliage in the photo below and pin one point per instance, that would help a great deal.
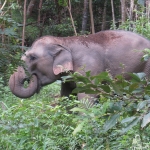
(10, 49)
(120, 119)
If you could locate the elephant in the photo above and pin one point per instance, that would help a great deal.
(50, 58)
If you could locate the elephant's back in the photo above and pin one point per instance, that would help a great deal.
(118, 37)
(126, 51)
(108, 38)
(124, 39)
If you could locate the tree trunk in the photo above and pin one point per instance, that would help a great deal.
(39, 11)
(131, 9)
(30, 7)
(91, 16)
(42, 24)
(113, 15)
(123, 11)
(104, 16)
(69, 9)
(85, 16)
(148, 9)
(2, 27)
(24, 23)
(136, 15)
(2, 6)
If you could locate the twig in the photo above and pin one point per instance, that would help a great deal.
(69, 9)
(3, 5)
(24, 22)
(91, 16)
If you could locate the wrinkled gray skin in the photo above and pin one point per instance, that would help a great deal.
(50, 57)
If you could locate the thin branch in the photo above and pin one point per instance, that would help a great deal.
(69, 9)
(24, 22)
(113, 15)
(85, 16)
(131, 9)
(123, 11)
(39, 11)
(91, 16)
(3, 5)
(104, 16)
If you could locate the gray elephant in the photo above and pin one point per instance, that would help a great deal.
(50, 58)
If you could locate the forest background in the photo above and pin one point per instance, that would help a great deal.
(43, 122)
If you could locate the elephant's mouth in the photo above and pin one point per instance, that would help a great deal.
(39, 86)
(29, 78)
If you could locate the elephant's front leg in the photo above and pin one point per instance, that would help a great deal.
(67, 88)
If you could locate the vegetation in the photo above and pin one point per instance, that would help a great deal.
(120, 119)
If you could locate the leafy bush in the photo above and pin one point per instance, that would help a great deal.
(118, 121)
(123, 105)
(62, 29)
(9, 44)
(36, 123)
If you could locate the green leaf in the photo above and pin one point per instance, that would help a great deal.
(147, 97)
(106, 88)
(141, 75)
(89, 86)
(76, 109)
(103, 76)
(133, 86)
(111, 122)
(141, 105)
(146, 120)
(138, 90)
(84, 90)
(36, 122)
(135, 78)
(117, 89)
(88, 73)
(78, 128)
(83, 79)
(129, 119)
(78, 90)
(130, 125)
(96, 81)
(117, 106)
(145, 57)
(10, 32)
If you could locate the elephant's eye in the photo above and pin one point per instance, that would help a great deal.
(32, 57)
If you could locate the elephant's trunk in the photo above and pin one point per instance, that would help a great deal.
(16, 84)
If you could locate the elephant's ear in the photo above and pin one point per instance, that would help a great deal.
(62, 60)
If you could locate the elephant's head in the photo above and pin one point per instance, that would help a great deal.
(45, 62)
